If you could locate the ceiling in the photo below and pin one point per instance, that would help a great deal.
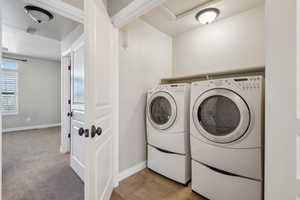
(114, 6)
(76, 3)
(80, 3)
(177, 16)
(22, 43)
(13, 15)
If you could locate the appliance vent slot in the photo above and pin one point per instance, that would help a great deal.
(240, 79)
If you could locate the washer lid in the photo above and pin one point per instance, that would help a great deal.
(161, 110)
(221, 116)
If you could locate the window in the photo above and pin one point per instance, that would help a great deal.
(9, 82)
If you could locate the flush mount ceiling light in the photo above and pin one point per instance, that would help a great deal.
(207, 15)
(38, 14)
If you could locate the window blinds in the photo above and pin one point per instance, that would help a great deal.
(9, 92)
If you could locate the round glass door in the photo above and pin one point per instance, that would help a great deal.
(221, 116)
(162, 110)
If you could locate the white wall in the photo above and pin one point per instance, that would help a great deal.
(281, 124)
(228, 44)
(38, 94)
(146, 60)
(71, 38)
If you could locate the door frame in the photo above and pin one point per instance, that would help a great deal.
(128, 14)
(78, 15)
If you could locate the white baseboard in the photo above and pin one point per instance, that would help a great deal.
(131, 171)
(29, 128)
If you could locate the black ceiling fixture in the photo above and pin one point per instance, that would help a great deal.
(38, 14)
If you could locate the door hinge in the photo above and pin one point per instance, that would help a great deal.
(69, 101)
(69, 67)
(70, 114)
(69, 135)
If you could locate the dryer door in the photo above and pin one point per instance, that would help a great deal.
(221, 116)
(161, 110)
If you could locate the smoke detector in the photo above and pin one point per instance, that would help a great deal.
(38, 14)
(31, 30)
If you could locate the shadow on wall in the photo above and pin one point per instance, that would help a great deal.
(133, 129)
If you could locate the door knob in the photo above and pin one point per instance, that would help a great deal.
(95, 131)
(87, 133)
(99, 131)
(80, 131)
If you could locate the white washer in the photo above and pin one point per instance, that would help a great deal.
(167, 115)
(226, 138)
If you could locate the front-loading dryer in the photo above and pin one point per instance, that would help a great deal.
(226, 137)
(167, 123)
(168, 117)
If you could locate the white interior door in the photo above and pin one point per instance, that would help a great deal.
(78, 139)
(99, 90)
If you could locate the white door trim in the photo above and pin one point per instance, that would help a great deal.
(65, 96)
(298, 62)
(116, 33)
(298, 100)
(0, 111)
(60, 8)
(134, 10)
(65, 107)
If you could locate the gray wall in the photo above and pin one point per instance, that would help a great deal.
(38, 94)
(147, 59)
(233, 43)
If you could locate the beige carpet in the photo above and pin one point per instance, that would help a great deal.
(33, 168)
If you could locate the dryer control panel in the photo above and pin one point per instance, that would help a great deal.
(170, 87)
(248, 83)
(244, 83)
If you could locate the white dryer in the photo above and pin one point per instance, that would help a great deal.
(167, 121)
(227, 137)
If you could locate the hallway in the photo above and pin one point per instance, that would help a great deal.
(34, 169)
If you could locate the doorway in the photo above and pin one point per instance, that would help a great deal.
(34, 166)
(73, 106)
